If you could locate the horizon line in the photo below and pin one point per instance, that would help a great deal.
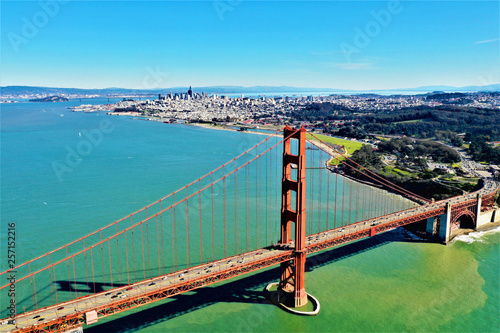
(256, 86)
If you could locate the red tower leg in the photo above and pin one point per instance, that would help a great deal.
(292, 273)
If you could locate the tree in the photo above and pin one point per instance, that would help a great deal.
(366, 157)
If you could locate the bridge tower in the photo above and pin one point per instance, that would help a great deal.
(292, 272)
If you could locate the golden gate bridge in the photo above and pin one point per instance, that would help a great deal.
(246, 215)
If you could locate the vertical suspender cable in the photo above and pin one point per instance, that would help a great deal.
(110, 266)
(225, 214)
(69, 275)
(356, 204)
(260, 200)
(236, 212)
(31, 282)
(126, 253)
(213, 218)
(363, 202)
(311, 181)
(34, 284)
(247, 172)
(187, 230)
(86, 268)
(162, 243)
(201, 230)
(74, 277)
(102, 259)
(257, 203)
(270, 203)
(55, 279)
(327, 197)
(149, 252)
(335, 208)
(174, 234)
(320, 172)
(343, 199)
(50, 279)
(143, 259)
(158, 243)
(350, 200)
(118, 255)
(266, 201)
(133, 248)
(93, 274)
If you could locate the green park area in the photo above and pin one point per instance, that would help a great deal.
(351, 146)
(395, 172)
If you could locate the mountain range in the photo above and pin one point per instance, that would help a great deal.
(31, 90)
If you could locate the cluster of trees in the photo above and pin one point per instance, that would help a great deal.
(351, 131)
(481, 150)
(427, 122)
(450, 136)
(445, 96)
(367, 158)
(323, 112)
(416, 149)
(421, 183)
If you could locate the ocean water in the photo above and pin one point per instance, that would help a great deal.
(391, 282)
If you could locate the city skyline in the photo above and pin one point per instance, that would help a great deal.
(338, 45)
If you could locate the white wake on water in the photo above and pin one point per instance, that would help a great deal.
(476, 236)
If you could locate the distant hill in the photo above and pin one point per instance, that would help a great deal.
(490, 87)
(50, 99)
(30, 90)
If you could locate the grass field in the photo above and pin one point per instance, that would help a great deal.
(395, 171)
(408, 121)
(351, 146)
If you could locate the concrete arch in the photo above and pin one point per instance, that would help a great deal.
(463, 213)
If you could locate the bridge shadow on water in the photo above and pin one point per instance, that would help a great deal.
(86, 287)
(327, 257)
(244, 290)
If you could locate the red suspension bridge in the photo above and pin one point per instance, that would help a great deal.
(246, 215)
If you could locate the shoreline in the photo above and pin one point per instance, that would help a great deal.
(482, 229)
(224, 128)
(201, 125)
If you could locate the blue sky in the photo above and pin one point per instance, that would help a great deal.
(329, 44)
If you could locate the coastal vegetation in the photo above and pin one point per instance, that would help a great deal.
(410, 171)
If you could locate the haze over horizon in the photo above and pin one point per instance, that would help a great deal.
(261, 88)
(372, 45)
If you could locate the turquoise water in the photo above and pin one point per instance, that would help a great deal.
(386, 283)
